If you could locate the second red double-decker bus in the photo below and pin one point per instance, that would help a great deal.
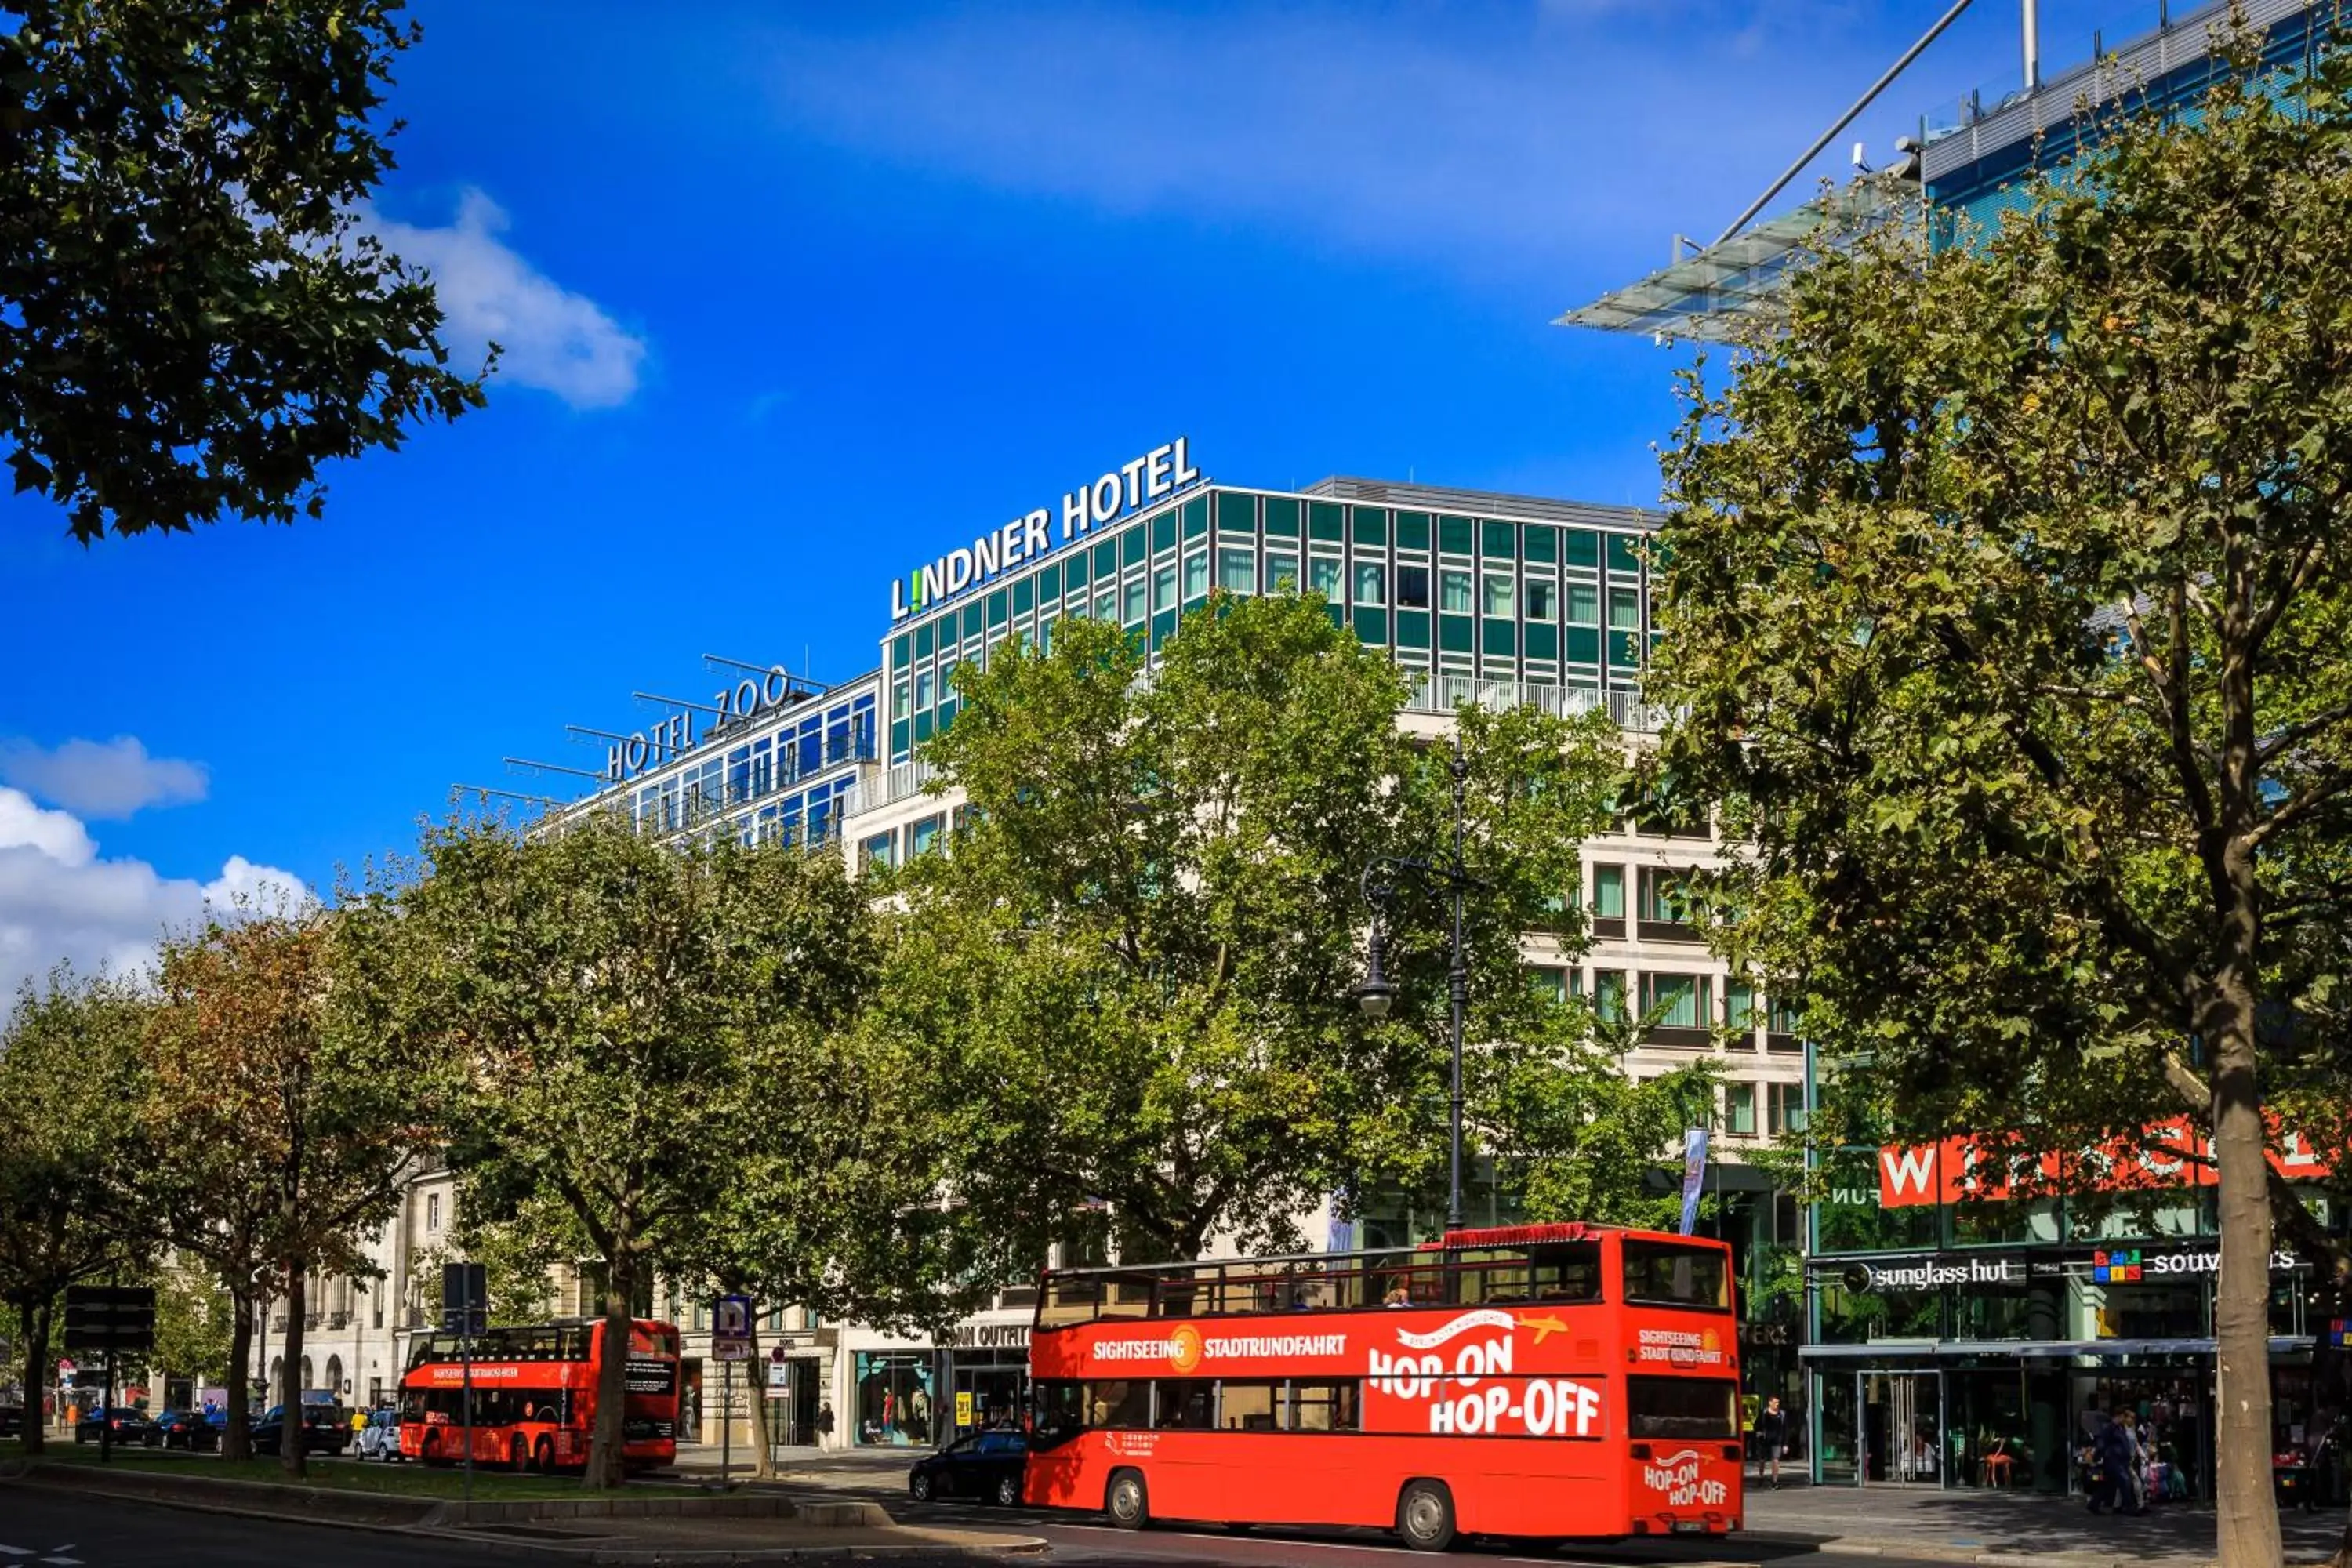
(534, 1401)
(1548, 1381)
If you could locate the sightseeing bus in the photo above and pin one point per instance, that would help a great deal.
(1550, 1381)
(534, 1402)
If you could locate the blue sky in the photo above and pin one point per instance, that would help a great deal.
(792, 297)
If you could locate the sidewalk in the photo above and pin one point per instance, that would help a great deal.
(1965, 1525)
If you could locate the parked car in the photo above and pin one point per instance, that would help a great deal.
(380, 1438)
(178, 1429)
(326, 1429)
(982, 1465)
(129, 1425)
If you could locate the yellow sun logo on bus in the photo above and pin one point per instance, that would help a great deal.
(1184, 1347)
(1710, 1342)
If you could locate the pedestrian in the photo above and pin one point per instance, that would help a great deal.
(825, 1421)
(1772, 1436)
(2134, 1495)
(1397, 1296)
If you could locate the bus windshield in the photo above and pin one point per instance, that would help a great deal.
(1671, 1274)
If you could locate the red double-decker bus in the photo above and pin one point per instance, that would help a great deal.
(534, 1402)
(1549, 1381)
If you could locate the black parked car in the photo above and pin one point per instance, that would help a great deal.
(179, 1429)
(326, 1429)
(130, 1425)
(982, 1465)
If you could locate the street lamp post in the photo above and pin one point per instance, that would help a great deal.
(1376, 995)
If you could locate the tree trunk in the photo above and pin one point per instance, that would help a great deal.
(235, 1443)
(292, 1440)
(2249, 1525)
(35, 1321)
(605, 1469)
(763, 1464)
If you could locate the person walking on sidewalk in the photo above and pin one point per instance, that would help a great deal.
(1771, 1437)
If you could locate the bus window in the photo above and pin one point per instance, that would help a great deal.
(1566, 1271)
(1182, 1295)
(1245, 1406)
(1127, 1296)
(1069, 1300)
(1060, 1413)
(1119, 1404)
(1323, 1406)
(1675, 1407)
(1252, 1291)
(1181, 1403)
(1497, 1277)
(1666, 1273)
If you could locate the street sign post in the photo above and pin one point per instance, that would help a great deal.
(109, 1318)
(731, 1341)
(465, 1310)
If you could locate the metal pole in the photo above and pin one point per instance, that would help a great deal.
(106, 1415)
(726, 1419)
(466, 1393)
(2032, 30)
(1793, 170)
(1458, 986)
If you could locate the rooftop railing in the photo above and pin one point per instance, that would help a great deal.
(1445, 693)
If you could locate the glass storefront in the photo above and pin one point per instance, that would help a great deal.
(988, 1389)
(896, 1399)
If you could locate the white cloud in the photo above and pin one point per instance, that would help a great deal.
(551, 338)
(59, 899)
(109, 779)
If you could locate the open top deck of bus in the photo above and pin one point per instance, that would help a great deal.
(1550, 1264)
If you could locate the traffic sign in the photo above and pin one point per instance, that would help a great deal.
(730, 1328)
(110, 1317)
(465, 1299)
(65, 1370)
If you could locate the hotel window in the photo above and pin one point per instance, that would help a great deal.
(1413, 587)
(1609, 994)
(1624, 610)
(1107, 604)
(1196, 575)
(923, 837)
(1281, 572)
(1323, 577)
(1784, 1107)
(1550, 981)
(1453, 593)
(1687, 1000)
(1498, 596)
(1739, 1003)
(898, 711)
(922, 688)
(433, 1211)
(1739, 1101)
(1237, 569)
(1543, 601)
(1163, 588)
(1132, 610)
(1371, 588)
(881, 849)
(1661, 897)
(1609, 892)
(1583, 605)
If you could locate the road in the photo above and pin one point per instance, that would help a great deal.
(57, 1529)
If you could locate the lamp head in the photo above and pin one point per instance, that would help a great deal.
(1375, 996)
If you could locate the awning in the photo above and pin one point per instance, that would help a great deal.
(1701, 294)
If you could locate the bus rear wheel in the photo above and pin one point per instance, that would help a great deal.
(1426, 1516)
(1127, 1501)
(544, 1457)
(519, 1456)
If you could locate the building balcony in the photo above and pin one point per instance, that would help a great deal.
(880, 787)
(338, 1320)
(1445, 693)
(1667, 931)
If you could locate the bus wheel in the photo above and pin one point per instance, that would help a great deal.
(544, 1457)
(1426, 1516)
(519, 1456)
(1126, 1502)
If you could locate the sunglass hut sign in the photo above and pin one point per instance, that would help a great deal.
(1136, 483)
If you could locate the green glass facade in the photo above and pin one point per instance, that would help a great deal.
(1470, 595)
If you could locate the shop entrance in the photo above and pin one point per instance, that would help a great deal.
(1902, 1427)
(988, 1395)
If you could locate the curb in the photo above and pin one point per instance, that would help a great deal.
(1991, 1557)
(605, 1556)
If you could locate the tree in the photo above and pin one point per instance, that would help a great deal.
(2007, 600)
(199, 320)
(70, 1173)
(599, 993)
(1129, 980)
(194, 1324)
(291, 1133)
